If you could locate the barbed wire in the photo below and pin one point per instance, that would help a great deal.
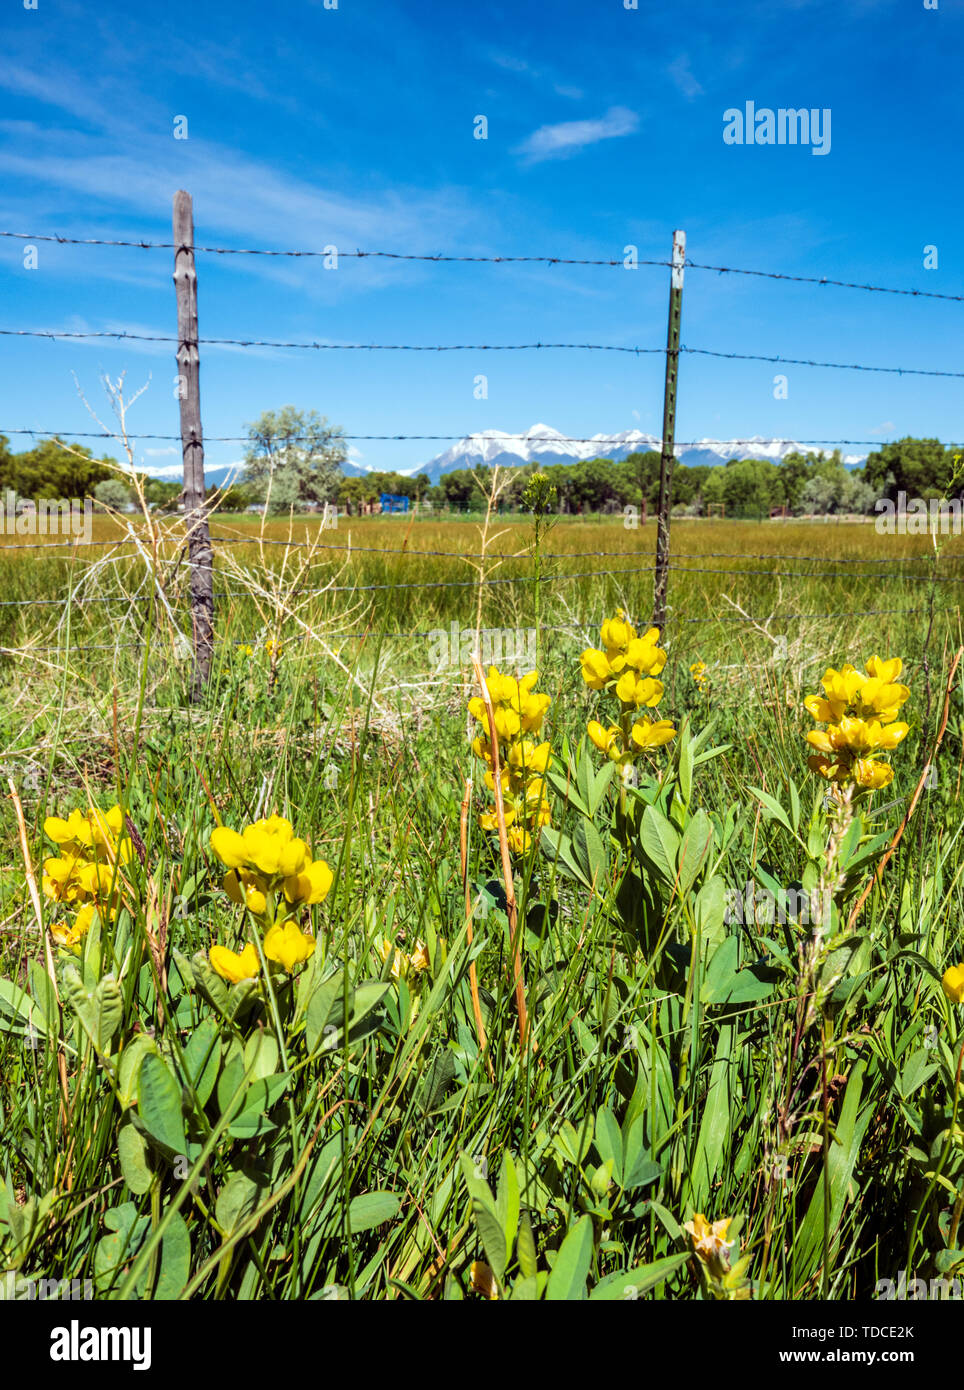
(481, 436)
(610, 261)
(815, 617)
(123, 335)
(480, 581)
(349, 548)
(406, 636)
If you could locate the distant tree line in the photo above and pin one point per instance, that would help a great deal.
(806, 484)
(294, 461)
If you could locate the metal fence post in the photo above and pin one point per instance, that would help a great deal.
(667, 457)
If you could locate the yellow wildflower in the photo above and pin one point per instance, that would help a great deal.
(953, 983)
(287, 945)
(652, 733)
(235, 966)
(596, 670)
(70, 936)
(710, 1244)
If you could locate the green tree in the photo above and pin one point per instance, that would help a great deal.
(293, 457)
(112, 493)
(50, 470)
(919, 467)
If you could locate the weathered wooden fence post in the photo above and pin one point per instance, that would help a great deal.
(667, 457)
(199, 549)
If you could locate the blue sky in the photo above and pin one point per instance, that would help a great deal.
(354, 126)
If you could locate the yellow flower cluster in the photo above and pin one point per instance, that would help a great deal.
(518, 710)
(698, 672)
(860, 712)
(271, 873)
(83, 874)
(627, 668)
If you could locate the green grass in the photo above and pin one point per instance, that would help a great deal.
(670, 1067)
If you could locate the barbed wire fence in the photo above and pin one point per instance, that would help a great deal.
(201, 546)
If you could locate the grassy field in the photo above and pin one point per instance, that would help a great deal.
(477, 1084)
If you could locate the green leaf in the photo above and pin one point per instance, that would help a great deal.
(609, 1142)
(439, 1075)
(261, 1055)
(202, 1058)
(18, 1012)
(324, 1008)
(637, 1281)
(100, 1012)
(686, 766)
(490, 1228)
(507, 1199)
(209, 983)
(44, 999)
(252, 1119)
(773, 806)
(590, 855)
(238, 1198)
(841, 1160)
(174, 1267)
(644, 1171)
(129, 1066)
(159, 1106)
(372, 1209)
(715, 1127)
(134, 1155)
(560, 852)
(567, 1141)
(697, 842)
(660, 841)
(567, 1279)
(794, 805)
(711, 914)
(526, 1248)
(114, 1251)
(725, 984)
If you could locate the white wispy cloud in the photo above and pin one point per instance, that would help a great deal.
(567, 137)
(679, 72)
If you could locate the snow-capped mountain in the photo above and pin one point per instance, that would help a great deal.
(543, 444)
(539, 444)
(174, 473)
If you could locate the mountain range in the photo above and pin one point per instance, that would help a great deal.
(545, 445)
